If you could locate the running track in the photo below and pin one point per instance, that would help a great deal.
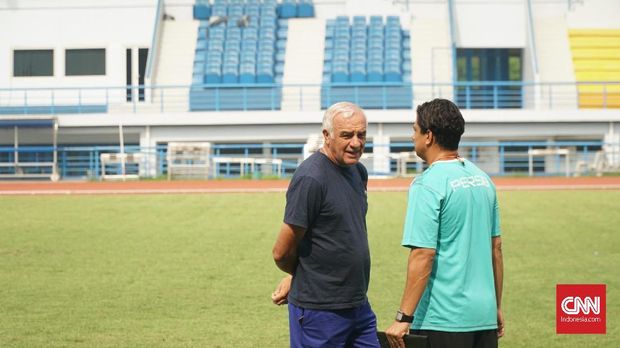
(248, 186)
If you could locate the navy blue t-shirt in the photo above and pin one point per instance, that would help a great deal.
(329, 201)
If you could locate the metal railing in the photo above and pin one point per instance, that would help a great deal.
(300, 97)
(496, 158)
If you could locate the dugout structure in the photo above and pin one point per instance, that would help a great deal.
(189, 160)
(19, 162)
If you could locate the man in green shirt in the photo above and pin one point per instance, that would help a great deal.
(453, 290)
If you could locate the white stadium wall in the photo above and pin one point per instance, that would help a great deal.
(477, 23)
(114, 25)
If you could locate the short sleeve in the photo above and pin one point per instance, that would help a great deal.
(303, 201)
(422, 219)
(497, 231)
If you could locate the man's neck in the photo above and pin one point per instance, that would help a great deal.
(328, 154)
(442, 155)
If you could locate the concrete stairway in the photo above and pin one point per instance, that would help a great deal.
(554, 61)
(303, 64)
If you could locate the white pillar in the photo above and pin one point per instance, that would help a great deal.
(148, 148)
(381, 154)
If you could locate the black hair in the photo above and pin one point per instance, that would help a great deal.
(444, 119)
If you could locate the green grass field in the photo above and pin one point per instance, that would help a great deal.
(196, 270)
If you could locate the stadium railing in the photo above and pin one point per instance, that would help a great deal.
(496, 158)
(175, 98)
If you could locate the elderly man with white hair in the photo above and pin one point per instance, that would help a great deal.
(323, 241)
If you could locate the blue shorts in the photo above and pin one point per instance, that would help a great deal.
(355, 327)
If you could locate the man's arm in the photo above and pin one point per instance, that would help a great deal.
(285, 249)
(498, 275)
(419, 268)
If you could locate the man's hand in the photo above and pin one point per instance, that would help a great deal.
(500, 324)
(280, 294)
(395, 334)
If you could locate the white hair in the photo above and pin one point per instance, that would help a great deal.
(344, 109)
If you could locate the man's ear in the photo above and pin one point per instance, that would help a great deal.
(325, 136)
(430, 138)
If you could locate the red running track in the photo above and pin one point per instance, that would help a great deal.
(216, 186)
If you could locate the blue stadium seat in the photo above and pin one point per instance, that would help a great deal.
(340, 72)
(201, 43)
(232, 45)
(279, 68)
(220, 10)
(375, 72)
(200, 55)
(359, 20)
(216, 33)
(305, 9)
(198, 79)
(280, 56)
(201, 10)
(248, 44)
(213, 74)
(358, 72)
(264, 73)
(393, 72)
(266, 33)
(216, 45)
(287, 9)
(393, 20)
(199, 67)
(247, 57)
(231, 57)
(282, 33)
(250, 34)
(230, 73)
(342, 20)
(214, 55)
(247, 73)
(376, 21)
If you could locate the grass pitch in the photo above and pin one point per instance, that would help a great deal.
(196, 270)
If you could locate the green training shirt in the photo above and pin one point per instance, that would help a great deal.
(453, 209)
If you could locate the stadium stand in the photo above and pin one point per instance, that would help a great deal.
(163, 76)
(596, 60)
(239, 58)
(368, 64)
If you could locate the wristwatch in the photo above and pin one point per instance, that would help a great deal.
(403, 318)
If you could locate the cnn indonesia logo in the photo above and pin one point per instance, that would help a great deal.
(580, 308)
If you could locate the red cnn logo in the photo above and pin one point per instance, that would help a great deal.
(580, 309)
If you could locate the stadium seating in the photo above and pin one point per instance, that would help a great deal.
(596, 59)
(367, 63)
(239, 56)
